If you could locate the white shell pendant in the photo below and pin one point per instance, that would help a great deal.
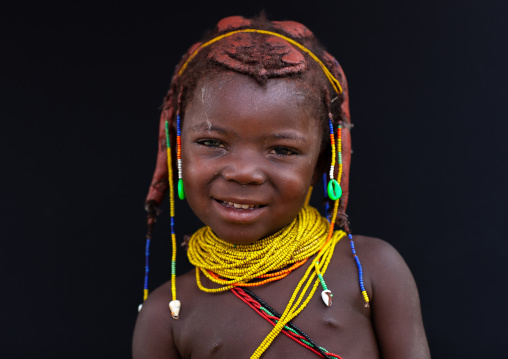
(174, 306)
(139, 307)
(327, 295)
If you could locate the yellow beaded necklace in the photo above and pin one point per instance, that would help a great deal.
(236, 265)
(232, 265)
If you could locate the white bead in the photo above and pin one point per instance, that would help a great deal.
(139, 307)
(327, 295)
(174, 307)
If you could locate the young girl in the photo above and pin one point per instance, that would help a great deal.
(255, 115)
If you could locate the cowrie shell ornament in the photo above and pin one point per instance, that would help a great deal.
(174, 307)
(327, 295)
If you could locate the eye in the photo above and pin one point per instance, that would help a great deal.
(284, 151)
(211, 143)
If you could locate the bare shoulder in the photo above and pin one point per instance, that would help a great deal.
(153, 333)
(374, 246)
(380, 257)
(395, 302)
(385, 271)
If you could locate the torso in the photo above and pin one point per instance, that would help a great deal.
(220, 325)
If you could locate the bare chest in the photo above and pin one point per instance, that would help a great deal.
(223, 326)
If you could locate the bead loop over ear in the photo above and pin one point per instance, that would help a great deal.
(181, 191)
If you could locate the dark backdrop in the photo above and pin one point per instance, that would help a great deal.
(81, 86)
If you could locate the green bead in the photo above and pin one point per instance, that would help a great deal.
(334, 190)
(323, 284)
(181, 192)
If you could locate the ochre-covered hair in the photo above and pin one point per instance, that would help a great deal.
(262, 57)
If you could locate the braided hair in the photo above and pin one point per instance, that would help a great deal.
(261, 57)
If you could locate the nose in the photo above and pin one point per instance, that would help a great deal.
(245, 168)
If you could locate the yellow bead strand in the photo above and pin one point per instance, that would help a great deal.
(171, 213)
(293, 307)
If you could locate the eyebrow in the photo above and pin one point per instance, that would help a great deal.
(277, 136)
(288, 136)
(211, 128)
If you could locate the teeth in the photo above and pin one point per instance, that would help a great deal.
(242, 206)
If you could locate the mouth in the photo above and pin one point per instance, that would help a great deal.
(241, 211)
(245, 206)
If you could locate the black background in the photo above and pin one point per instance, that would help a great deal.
(81, 86)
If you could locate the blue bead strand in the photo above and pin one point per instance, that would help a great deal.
(360, 269)
(147, 267)
(325, 189)
(178, 125)
(147, 263)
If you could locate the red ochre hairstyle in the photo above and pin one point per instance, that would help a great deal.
(262, 57)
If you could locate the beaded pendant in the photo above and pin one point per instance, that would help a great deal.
(327, 295)
(174, 307)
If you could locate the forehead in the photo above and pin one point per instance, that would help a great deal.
(233, 94)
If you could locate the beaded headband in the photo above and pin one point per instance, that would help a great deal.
(335, 83)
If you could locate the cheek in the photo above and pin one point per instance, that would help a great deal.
(194, 169)
(196, 176)
(190, 166)
(295, 184)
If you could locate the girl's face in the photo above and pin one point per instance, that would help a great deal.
(248, 154)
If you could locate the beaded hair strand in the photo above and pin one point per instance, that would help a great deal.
(181, 192)
(174, 305)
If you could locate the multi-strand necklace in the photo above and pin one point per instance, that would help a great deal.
(265, 260)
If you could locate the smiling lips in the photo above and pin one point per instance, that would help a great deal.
(239, 205)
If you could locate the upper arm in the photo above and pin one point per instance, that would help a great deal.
(395, 305)
(153, 338)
